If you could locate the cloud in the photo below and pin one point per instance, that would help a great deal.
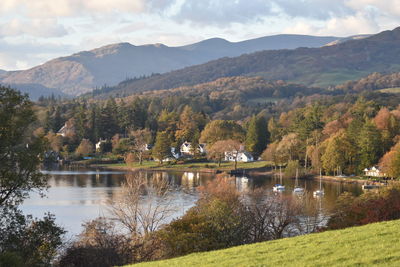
(314, 9)
(29, 53)
(35, 27)
(222, 12)
(72, 8)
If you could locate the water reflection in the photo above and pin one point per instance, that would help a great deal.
(80, 194)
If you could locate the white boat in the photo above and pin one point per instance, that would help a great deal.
(279, 187)
(320, 192)
(297, 189)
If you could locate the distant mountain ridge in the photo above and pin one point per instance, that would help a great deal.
(324, 66)
(111, 64)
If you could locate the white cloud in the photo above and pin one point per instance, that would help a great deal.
(35, 27)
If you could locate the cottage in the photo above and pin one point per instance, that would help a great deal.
(99, 144)
(186, 149)
(374, 172)
(67, 129)
(241, 156)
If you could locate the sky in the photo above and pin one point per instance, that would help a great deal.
(35, 31)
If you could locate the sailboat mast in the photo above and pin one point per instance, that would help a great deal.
(320, 179)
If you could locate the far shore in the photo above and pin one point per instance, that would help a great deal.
(253, 168)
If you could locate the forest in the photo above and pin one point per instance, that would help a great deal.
(343, 129)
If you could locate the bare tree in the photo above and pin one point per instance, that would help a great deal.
(276, 216)
(139, 142)
(143, 205)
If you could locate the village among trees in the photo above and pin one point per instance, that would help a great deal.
(340, 137)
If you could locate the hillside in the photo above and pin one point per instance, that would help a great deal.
(328, 65)
(111, 64)
(374, 244)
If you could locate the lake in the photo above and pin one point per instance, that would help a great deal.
(79, 194)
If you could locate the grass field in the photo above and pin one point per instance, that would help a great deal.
(225, 166)
(371, 245)
(391, 90)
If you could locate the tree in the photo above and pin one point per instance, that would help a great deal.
(256, 136)
(20, 152)
(140, 138)
(162, 147)
(369, 142)
(274, 130)
(232, 148)
(221, 130)
(288, 147)
(22, 239)
(217, 151)
(31, 242)
(390, 162)
(85, 148)
(271, 154)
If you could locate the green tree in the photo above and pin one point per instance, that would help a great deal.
(256, 136)
(20, 151)
(369, 142)
(162, 147)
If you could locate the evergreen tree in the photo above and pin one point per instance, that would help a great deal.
(162, 147)
(256, 137)
(369, 143)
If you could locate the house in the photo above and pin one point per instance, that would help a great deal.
(99, 144)
(67, 129)
(374, 172)
(242, 156)
(186, 149)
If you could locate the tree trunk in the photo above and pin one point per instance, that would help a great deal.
(140, 159)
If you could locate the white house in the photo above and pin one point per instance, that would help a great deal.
(98, 144)
(242, 156)
(186, 148)
(68, 128)
(374, 172)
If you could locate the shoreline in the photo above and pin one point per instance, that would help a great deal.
(265, 170)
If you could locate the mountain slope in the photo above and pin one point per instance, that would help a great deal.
(312, 66)
(81, 72)
(370, 245)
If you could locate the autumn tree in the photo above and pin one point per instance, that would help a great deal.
(85, 148)
(271, 154)
(233, 148)
(288, 147)
(221, 130)
(217, 151)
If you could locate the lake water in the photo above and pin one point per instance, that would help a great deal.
(78, 194)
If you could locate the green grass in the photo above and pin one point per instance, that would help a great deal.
(395, 90)
(225, 166)
(370, 245)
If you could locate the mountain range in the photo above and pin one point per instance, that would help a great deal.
(111, 64)
(324, 66)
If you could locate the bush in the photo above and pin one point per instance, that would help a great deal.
(370, 207)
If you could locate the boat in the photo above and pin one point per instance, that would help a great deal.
(369, 186)
(297, 189)
(320, 192)
(279, 187)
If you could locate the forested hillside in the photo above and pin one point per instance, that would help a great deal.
(329, 65)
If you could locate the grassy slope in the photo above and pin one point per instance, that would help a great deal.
(374, 244)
